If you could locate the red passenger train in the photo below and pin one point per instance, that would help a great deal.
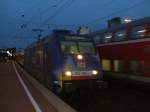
(125, 50)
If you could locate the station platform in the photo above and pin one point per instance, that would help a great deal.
(19, 92)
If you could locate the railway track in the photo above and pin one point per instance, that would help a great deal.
(116, 98)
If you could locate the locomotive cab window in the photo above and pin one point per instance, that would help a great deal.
(86, 47)
(69, 47)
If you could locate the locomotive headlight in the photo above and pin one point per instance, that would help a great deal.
(79, 57)
(68, 73)
(94, 72)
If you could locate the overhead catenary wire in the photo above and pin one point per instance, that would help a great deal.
(108, 3)
(67, 4)
(41, 12)
(59, 10)
(23, 15)
(29, 9)
(119, 11)
(49, 8)
(25, 24)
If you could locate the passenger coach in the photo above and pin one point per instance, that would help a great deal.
(125, 50)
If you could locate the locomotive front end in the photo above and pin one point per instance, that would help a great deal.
(81, 65)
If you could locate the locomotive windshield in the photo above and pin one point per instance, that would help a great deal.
(77, 47)
(86, 47)
(69, 47)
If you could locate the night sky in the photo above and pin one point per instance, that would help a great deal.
(19, 17)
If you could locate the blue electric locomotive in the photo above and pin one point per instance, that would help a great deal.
(65, 62)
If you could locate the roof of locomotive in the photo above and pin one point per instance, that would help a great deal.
(55, 33)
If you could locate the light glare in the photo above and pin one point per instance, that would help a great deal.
(79, 57)
(68, 73)
(95, 72)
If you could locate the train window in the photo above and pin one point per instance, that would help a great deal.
(119, 36)
(106, 64)
(136, 67)
(138, 32)
(147, 28)
(86, 47)
(118, 65)
(97, 39)
(69, 47)
(107, 38)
